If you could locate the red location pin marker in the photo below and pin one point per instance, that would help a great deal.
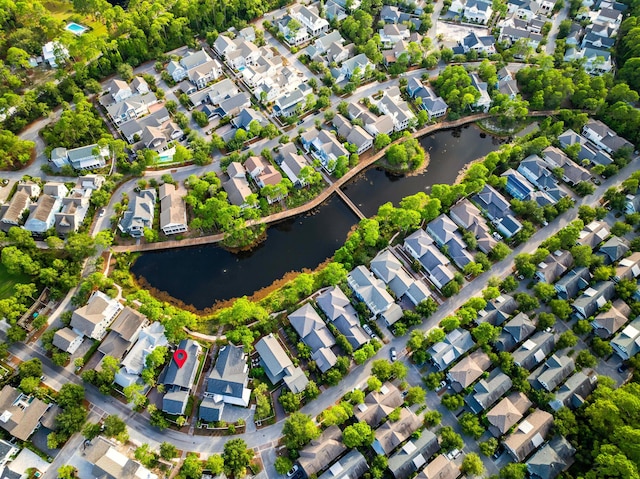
(180, 357)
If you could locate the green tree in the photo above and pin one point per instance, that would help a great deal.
(298, 430)
(485, 333)
(488, 448)
(290, 401)
(415, 395)
(283, 464)
(452, 401)
(357, 435)
(191, 467)
(168, 451)
(472, 465)
(470, 425)
(237, 457)
(449, 439)
(30, 369)
(67, 472)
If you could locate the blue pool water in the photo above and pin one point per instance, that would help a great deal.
(75, 28)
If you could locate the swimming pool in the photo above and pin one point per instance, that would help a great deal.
(75, 28)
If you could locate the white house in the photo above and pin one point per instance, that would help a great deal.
(93, 319)
(53, 52)
(478, 11)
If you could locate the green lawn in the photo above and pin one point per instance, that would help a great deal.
(64, 10)
(8, 282)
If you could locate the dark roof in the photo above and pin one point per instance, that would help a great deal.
(184, 376)
(551, 459)
(230, 375)
(209, 410)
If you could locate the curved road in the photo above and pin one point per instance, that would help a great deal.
(142, 432)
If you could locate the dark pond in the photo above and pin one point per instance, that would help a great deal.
(203, 275)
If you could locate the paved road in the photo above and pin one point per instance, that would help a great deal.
(142, 432)
(553, 33)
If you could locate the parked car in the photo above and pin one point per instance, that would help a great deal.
(442, 385)
(453, 454)
(101, 214)
(393, 354)
(368, 330)
(292, 471)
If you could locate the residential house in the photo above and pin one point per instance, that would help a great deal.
(133, 107)
(67, 340)
(87, 157)
(220, 91)
(551, 459)
(594, 233)
(210, 411)
(609, 322)
(511, 35)
(487, 391)
(369, 289)
(573, 282)
(315, 334)
(437, 266)
(594, 298)
(54, 52)
(593, 40)
(109, 463)
(498, 210)
(498, 310)
(334, 11)
(524, 9)
(323, 42)
(353, 134)
(309, 17)
(13, 212)
(604, 137)
(173, 211)
(572, 173)
(469, 218)
(198, 67)
(390, 270)
(21, 413)
(153, 132)
(628, 268)
(480, 44)
(413, 455)
(42, 216)
(319, 453)
(627, 343)
(124, 332)
(237, 53)
(278, 366)
(75, 206)
(393, 433)
(246, 117)
(534, 350)
(632, 204)
(504, 415)
(517, 185)
(262, 172)
(139, 214)
(614, 249)
(453, 346)
(457, 7)
(390, 34)
(118, 90)
(554, 266)
(507, 84)
(575, 390)
(343, 316)
(515, 332)
(440, 468)
(588, 151)
(292, 164)
(446, 234)
(484, 101)
(227, 382)
(596, 61)
(468, 370)
(393, 105)
(323, 146)
(93, 319)
(150, 337)
(291, 103)
(179, 379)
(378, 405)
(552, 373)
(358, 63)
(390, 14)
(535, 170)
(478, 11)
(529, 435)
(352, 465)
(434, 105)
(7, 452)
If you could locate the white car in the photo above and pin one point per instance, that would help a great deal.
(453, 454)
(368, 330)
(292, 471)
